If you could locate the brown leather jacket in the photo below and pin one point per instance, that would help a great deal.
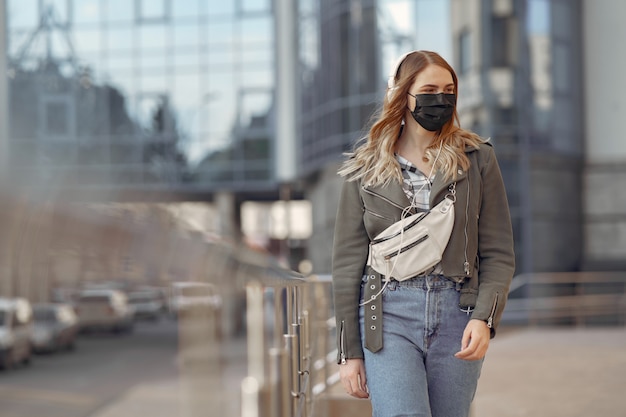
(479, 255)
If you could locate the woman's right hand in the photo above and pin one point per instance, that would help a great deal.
(352, 375)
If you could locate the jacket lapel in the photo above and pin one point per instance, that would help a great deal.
(393, 193)
(439, 185)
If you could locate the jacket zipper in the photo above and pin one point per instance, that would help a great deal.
(493, 312)
(383, 198)
(406, 228)
(380, 216)
(406, 248)
(342, 354)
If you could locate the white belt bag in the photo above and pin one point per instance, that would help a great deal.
(414, 244)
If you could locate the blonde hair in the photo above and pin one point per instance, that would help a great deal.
(373, 161)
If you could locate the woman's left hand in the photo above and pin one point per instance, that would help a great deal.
(475, 341)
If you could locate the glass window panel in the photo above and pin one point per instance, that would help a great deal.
(186, 8)
(90, 60)
(256, 77)
(221, 33)
(87, 40)
(220, 57)
(562, 19)
(147, 106)
(186, 63)
(186, 91)
(562, 72)
(152, 63)
(186, 35)
(17, 41)
(60, 48)
(22, 13)
(222, 105)
(248, 6)
(153, 9)
(254, 106)
(124, 84)
(538, 17)
(56, 119)
(257, 30)
(501, 41)
(120, 39)
(261, 56)
(86, 11)
(120, 61)
(152, 37)
(220, 8)
(465, 52)
(62, 10)
(157, 83)
(120, 10)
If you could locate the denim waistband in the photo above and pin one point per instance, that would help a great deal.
(433, 281)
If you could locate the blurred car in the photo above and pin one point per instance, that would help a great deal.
(63, 295)
(55, 327)
(16, 329)
(187, 295)
(147, 303)
(104, 309)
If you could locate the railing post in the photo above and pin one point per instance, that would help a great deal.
(305, 362)
(285, 388)
(250, 403)
(255, 328)
(283, 373)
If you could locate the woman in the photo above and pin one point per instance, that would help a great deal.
(416, 346)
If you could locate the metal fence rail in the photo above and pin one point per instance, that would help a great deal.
(291, 331)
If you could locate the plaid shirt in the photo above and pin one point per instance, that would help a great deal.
(417, 187)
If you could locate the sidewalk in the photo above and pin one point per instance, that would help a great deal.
(554, 372)
(539, 372)
(529, 372)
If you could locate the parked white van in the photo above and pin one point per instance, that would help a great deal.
(16, 330)
(104, 309)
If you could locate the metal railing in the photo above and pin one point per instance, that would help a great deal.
(291, 344)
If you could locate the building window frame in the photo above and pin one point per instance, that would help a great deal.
(142, 18)
(465, 51)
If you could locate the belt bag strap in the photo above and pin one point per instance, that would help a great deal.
(414, 244)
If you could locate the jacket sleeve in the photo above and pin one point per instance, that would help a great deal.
(350, 250)
(495, 245)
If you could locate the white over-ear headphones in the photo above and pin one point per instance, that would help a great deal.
(391, 81)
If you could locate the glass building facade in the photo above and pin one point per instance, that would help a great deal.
(141, 94)
(179, 95)
(521, 85)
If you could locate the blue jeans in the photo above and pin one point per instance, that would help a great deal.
(416, 373)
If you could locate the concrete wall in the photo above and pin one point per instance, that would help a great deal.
(605, 146)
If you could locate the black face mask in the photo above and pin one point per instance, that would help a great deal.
(432, 111)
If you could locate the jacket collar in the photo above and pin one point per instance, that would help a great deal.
(392, 193)
(395, 195)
